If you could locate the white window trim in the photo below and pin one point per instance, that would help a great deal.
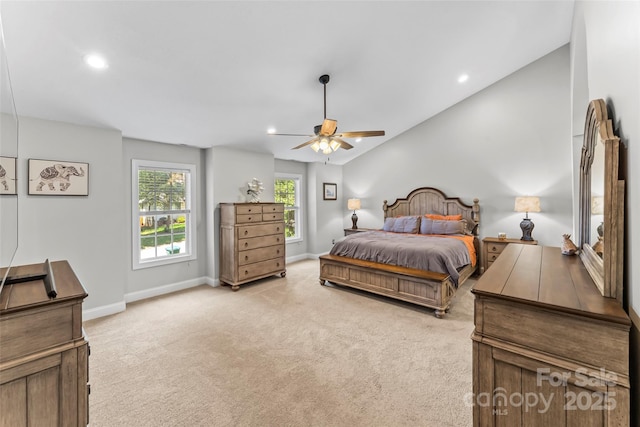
(190, 231)
(298, 179)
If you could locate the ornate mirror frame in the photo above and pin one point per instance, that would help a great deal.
(606, 269)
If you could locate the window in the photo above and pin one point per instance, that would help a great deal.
(163, 213)
(287, 191)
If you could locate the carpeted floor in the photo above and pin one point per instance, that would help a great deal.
(281, 352)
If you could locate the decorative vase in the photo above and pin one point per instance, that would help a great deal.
(568, 247)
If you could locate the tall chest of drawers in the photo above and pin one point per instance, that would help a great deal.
(252, 242)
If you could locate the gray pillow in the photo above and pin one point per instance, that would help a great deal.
(402, 224)
(436, 226)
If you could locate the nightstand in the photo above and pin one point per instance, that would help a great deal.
(348, 231)
(492, 247)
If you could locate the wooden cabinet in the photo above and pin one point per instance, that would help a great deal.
(492, 247)
(252, 242)
(548, 348)
(44, 356)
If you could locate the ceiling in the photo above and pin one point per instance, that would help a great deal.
(220, 73)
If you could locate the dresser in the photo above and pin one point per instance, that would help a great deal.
(252, 242)
(44, 357)
(492, 247)
(548, 348)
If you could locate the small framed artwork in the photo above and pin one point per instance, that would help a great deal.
(58, 178)
(329, 191)
(8, 175)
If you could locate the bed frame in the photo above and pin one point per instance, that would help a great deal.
(425, 288)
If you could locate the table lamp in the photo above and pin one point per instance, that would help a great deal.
(353, 205)
(527, 204)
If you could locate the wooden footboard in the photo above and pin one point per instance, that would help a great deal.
(425, 288)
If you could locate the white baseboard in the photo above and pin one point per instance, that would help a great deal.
(166, 289)
(298, 258)
(106, 310)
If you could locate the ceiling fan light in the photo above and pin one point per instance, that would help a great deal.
(315, 146)
(327, 150)
(324, 143)
(334, 145)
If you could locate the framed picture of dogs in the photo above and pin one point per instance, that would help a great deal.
(58, 178)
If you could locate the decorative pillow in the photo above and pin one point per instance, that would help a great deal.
(402, 224)
(444, 217)
(441, 226)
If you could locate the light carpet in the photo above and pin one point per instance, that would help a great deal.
(281, 352)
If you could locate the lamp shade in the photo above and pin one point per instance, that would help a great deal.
(597, 205)
(353, 204)
(527, 204)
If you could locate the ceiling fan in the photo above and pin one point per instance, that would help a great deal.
(325, 138)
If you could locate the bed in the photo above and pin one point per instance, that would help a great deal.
(433, 288)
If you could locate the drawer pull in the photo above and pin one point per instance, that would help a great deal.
(246, 272)
(246, 257)
(278, 229)
(494, 248)
(246, 244)
(277, 264)
(249, 218)
(278, 239)
(278, 251)
(246, 232)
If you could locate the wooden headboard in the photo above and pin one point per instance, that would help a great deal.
(426, 200)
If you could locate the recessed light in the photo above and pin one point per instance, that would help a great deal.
(95, 61)
(463, 78)
(271, 131)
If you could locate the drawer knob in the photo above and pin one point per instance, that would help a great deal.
(246, 244)
(494, 248)
(277, 264)
(278, 239)
(249, 218)
(277, 228)
(246, 258)
(278, 251)
(246, 232)
(246, 272)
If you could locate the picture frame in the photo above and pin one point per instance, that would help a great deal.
(329, 191)
(58, 178)
(8, 175)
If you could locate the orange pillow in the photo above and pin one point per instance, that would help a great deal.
(444, 217)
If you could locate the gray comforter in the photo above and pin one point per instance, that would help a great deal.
(424, 252)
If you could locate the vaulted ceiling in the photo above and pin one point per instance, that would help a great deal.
(220, 73)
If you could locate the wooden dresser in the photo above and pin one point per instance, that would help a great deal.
(548, 348)
(43, 354)
(492, 247)
(252, 242)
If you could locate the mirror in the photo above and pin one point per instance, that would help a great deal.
(8, 161)
(601, 202)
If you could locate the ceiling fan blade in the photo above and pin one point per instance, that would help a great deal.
(343, 144)
(304, 144)
(361, 134)
(329, 127)
(291, 134)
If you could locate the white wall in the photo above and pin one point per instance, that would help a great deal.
(508, 140)
(88, 231)
(228, 172)
(142, 283)
(325, 222)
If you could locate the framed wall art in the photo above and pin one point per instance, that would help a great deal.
(329, 191)
(58, 178)
(8, 175)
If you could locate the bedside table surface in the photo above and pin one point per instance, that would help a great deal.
(497, 240)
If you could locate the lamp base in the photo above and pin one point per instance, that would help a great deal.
(527, 227)
(354, 220)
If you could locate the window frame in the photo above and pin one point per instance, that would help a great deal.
(297, 178)
(190, 206)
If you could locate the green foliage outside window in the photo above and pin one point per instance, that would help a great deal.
(285, 192)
